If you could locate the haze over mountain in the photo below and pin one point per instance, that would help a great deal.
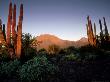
(47, 40)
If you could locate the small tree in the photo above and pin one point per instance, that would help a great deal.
(27, 49)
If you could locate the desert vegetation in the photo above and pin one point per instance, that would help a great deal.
(71, 64)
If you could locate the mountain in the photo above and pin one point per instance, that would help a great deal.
(46, 40)
(83, 41)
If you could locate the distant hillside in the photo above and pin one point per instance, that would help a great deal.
(47, 39)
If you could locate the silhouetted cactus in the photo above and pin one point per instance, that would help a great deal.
(94, 30)
(95, 43)
(106, 30)
(0, 22)
(4, 32)
(101, 33)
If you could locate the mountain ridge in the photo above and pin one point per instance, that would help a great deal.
(48, 39)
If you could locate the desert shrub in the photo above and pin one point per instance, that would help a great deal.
(8, 69)
(91, 53)
(37, 69)
(42, 52)
(87, 48)
(70, 57)
(31, 53)
(4, 57)
(63, 52)
(53, 49)
(88, 56)
(71, 49)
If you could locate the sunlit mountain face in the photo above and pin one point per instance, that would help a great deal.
(46, 40)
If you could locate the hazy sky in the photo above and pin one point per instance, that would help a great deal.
(63, 18)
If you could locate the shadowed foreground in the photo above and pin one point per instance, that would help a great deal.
(68, 65)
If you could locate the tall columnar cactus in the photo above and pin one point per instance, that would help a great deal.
(2, 40)
(12, 37)
(90, 33)
(88, 29)
(95, 41)
(19, 32)
(102, 40)
(94, 30)
(101, 33)
(14, 26)
(4, 32)
(1, 25)
(0, 32)
(0, 22)
(8, 40)
(106, 30)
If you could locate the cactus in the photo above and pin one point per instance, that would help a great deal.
(12, 37)
(8, 40)
(101, 41)
(94, 30)
(14, 25)
(19, 32)
(100, 27)
(0, 22)
(95, 41)
(101, 33)
(106, 30)
(4, 33)
(87, 32)
(90, 33)
(2, 40)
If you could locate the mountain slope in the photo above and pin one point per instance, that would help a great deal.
(47, 39)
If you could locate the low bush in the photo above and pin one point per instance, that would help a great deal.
(8, 69)
(37, 69)
(70, 57)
